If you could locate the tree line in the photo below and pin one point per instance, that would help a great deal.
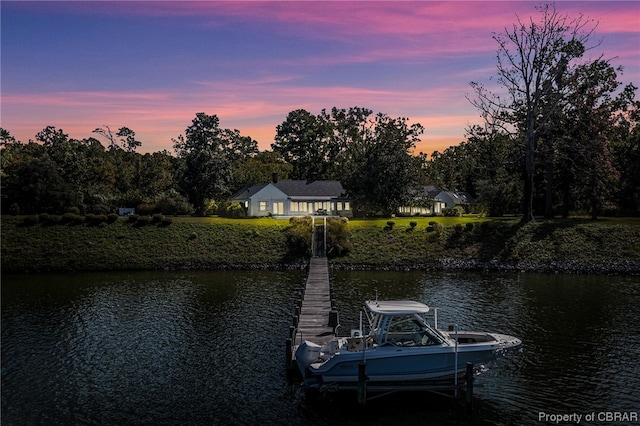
(560, 135)
(370, 154)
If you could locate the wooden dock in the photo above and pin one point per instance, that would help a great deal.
(317, 317)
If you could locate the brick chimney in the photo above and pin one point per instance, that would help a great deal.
(274, 177)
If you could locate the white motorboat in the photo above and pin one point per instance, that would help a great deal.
(399, 346)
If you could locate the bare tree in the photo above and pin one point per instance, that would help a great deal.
(534, 60)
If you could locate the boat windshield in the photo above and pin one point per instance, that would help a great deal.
(407, 330)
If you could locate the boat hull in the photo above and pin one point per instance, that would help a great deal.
(391, 363)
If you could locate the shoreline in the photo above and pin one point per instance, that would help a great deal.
(625, 268)
(556, 246)
(475, 265)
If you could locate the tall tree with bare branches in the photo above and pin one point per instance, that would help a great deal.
(534, 60)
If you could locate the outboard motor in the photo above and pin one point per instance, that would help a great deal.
(307, 353)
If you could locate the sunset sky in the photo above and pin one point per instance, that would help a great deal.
(151, 66)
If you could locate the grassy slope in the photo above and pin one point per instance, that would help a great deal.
(216, 242)
(576, 241)
(185, 243)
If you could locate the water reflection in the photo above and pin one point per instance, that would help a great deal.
(208, 347)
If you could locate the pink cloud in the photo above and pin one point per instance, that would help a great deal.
(410, 32)
(340, 19)
(255, 108)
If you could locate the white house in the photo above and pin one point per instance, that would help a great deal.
(294, 198)
(429, 200)
(425, 203)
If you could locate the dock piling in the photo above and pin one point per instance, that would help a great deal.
(362, 383)
(289, 354)
(469, 379)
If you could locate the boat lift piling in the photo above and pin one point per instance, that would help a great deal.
(362, 383)
(440, 387)
(443, 387)
(469, 380)
(369, 391)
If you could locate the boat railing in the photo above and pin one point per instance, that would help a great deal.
(295, 332)
(335, 330)
(435, 318)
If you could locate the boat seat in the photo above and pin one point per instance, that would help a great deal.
(354, 343)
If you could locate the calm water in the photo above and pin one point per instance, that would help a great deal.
(208, 347)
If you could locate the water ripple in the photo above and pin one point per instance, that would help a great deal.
(208, 347)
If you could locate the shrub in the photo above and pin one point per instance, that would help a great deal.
(468, 226)
(50, 219)
(96, 219)
(434, 226)
(301, 221)
(166, 221)
(347, 214)
(338, 237)
(210, 207)
(112, 218)
(145, 209)
(390, 225)
(193, 236)
(455, 211)
(157, 218)
(30, 220)
(413, 224)
(143, 220)
(72, 218)
(234, 210)
(133, 218)
(299, 236)
(174, 204)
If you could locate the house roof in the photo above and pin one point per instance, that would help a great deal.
(248, 191)
(458, 197)
(297, 189)
(316, 188)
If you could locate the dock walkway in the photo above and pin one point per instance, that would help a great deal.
(317, 318)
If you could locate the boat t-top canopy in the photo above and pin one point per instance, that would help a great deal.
(396, 307)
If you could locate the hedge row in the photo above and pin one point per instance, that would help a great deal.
(93, 219)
